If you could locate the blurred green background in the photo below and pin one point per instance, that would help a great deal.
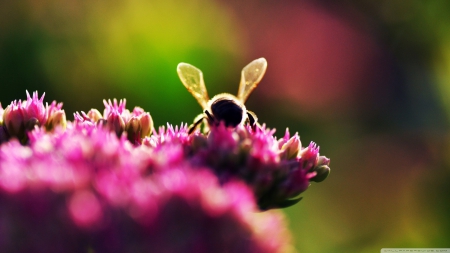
(369, 81)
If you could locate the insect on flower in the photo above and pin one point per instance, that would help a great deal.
(223, 107)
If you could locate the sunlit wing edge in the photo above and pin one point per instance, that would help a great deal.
(195, 84)
(251, 75)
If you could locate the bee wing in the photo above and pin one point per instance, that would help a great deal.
(192, 79)
(251, 75)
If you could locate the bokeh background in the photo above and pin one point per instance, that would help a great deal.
(368, 80)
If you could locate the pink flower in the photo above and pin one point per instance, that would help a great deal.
(137, 125)
(171, 135)
(34, 107)
(116, 107)
(89, 189)
(289, 147)
(20, 117)
(13, 119)
(111, 183)
(55, 116)
(115, 122)
(276, 170)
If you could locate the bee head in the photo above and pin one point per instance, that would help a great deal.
(227, 110)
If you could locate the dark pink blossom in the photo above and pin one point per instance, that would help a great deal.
(56, 117)
(13, 119)
(34, 107)
(111, 183)
(92, 190)
(21, 117)
(137, 124)
(170, 135)
(277, 171)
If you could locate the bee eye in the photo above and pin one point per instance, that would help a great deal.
(228, 111)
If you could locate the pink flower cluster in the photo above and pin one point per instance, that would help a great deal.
(137, 124)
(277, 171)
(112, 183)
(22, 116)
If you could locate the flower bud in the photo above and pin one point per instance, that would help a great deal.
(133, 128)
(114, 106)
(146, 124)
(34, 107)
(13, 119)
(322, 173)
(285, 139)
(291, 148)
(137, 111)
(94, 115)
(115, 123)
(57, 118)
(52, 108)
(323, 160)
(309, 156)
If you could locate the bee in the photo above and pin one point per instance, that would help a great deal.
(223, 107)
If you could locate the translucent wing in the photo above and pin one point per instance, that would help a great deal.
(250, 77)
(192, 78)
